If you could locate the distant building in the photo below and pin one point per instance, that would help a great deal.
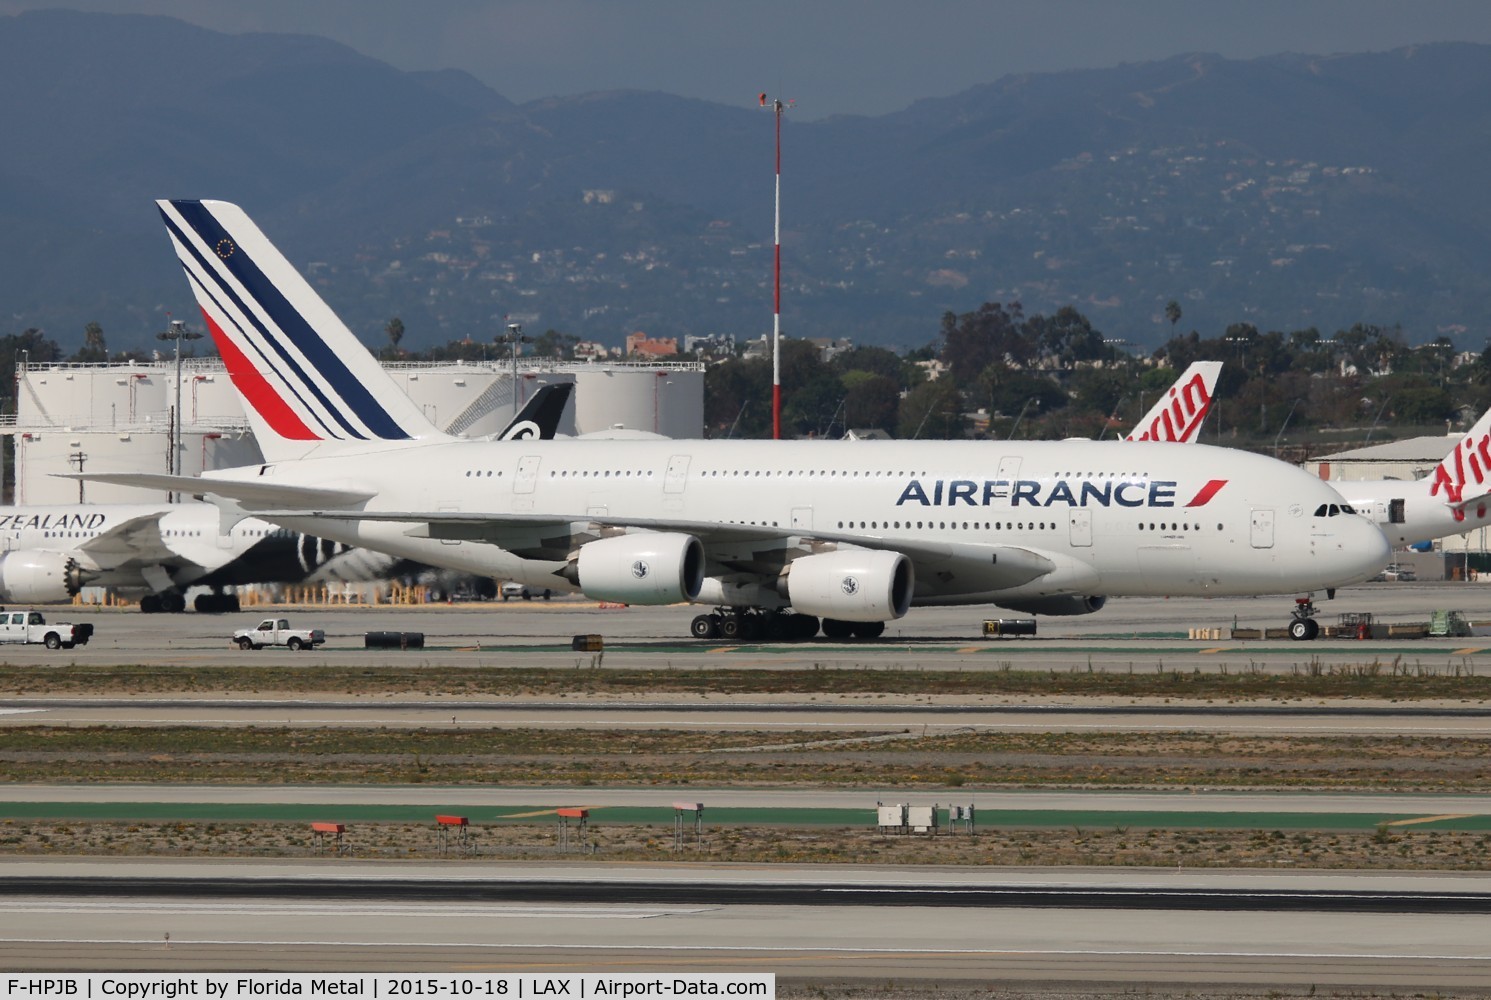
(933, 367)
(828, 347)
(713, 344)
(640, 343)
(592, 350)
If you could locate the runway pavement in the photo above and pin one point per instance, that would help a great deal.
(1215, 945)
(1140, 948)
(826, 715)
(1128, 634)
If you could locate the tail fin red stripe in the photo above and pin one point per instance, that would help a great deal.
(257, 390)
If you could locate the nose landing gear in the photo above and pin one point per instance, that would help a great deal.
(1304, 627)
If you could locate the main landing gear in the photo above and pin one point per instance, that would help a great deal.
(751, 624)
(1304, 627)
(216, 604)
(170, 603)
(173, 603)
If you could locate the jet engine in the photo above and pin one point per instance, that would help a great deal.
(645, 568)
(31, 577)
(1071, 604)
(851, 585)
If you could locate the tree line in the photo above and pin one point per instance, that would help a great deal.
(997, 372)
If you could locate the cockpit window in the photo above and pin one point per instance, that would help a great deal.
(1333, 510)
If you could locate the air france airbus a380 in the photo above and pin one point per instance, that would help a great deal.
(775, 534)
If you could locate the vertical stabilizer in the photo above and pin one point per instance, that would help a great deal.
(1178, 414)
(308, 385)
(1463, 477)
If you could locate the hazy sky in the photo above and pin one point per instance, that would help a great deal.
(832, 56)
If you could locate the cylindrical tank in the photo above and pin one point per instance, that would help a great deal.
(663, 400)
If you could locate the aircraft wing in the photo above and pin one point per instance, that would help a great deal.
(137, 545)
(136, 540)
(247, 491)
(971, 567)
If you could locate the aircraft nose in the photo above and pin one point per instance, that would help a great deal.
(1364, 550)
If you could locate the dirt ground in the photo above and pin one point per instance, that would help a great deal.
(1383, 848)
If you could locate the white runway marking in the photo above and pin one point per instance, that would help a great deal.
(778, 949)
(342, 910)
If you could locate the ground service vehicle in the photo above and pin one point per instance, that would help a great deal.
(277, 632)
(31, 626)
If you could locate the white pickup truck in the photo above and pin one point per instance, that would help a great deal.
(277, 632)
(31, 626)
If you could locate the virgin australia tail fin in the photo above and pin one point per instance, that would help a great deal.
(1179, 413)
(308, 384)
(1463, 477)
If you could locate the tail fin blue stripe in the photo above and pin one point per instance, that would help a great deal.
(294, 326)
(247, 313)
(310, 411)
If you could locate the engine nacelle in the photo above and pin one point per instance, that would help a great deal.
(645, 568)
(32, 577)
(1071, 604)
(852, 585)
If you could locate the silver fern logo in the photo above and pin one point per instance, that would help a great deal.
(640, 570)
(850, 586)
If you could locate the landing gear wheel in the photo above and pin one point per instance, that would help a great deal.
(804, 626)
(751, 627)
(149, 604)
(779, 627)
(1304, 629)
(730, 627)
(172, 603)
(705, 627)
(869, 630)
(833, 628)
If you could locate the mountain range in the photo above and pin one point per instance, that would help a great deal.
(1287, 192)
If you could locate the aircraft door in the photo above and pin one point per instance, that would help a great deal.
(1009, 471)
(677, 476)
(1395, 511)
(1081, 526)
(527, 474)
(1262, 528)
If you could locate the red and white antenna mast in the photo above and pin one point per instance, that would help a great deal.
(777, 107)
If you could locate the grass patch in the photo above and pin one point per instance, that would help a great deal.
(744, 844)
(1392, 680)
(625, 757)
